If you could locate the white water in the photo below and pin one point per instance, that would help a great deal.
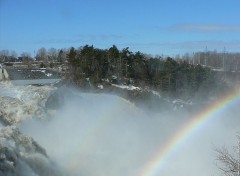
(99, 135)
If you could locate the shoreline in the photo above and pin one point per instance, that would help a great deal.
(3, 75)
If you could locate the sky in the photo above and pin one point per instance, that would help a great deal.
(157, 27)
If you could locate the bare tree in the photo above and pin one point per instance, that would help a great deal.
(13, 54)
(52, 54)
(41, 55)
(26, 54)
(26, 58)
(3, 55)
(229, 161)
(4, 52)
(186, 58)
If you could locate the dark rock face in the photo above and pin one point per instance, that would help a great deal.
(23, 74)
(57, 98)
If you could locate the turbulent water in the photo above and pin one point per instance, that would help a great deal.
(20, 154)
(74, 133)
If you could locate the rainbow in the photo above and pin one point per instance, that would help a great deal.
(153, 167)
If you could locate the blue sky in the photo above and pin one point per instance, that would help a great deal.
(166, 27)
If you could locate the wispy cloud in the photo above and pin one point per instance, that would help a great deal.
(95, 37)
(187, 46)
(58, 41)
(204, 28)
(212, 45)
(80, 39)
(191, 44)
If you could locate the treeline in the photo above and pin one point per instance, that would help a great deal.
(222, 61)
(216, 60)
(51, 55)
(184, 75)
(178, 78)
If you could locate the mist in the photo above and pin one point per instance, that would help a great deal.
(101, 134)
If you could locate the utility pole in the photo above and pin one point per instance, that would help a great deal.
(199, 63)
(192, 58)
(236, 68)
(224, 50)
(205, 58)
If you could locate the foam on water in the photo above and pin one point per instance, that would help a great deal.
(19, 103)
(7, 89)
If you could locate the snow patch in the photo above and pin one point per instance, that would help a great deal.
(130, 87)
(114, 77)
(156, 93)
(49, 74)
(100, 86)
